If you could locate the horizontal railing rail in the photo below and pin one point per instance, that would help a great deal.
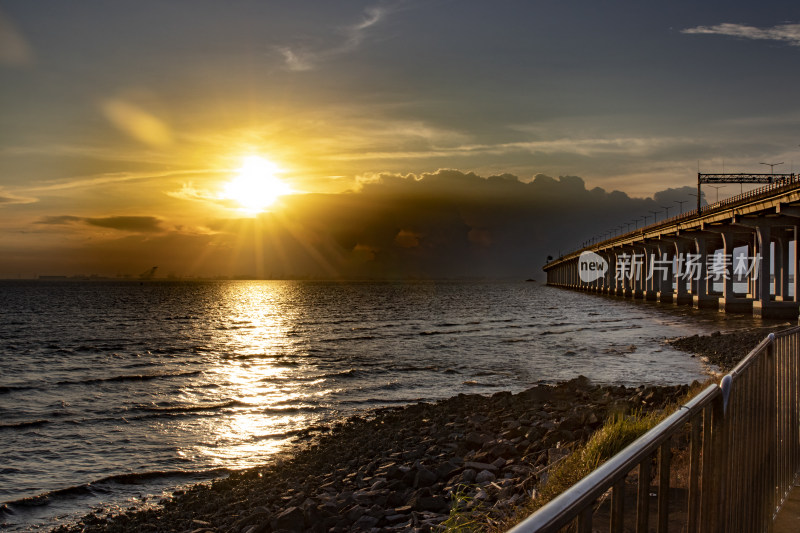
(743, 457)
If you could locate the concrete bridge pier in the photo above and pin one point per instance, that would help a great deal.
(682, 295)
(619, 281)
(766, 221)
(650, 280)
(639, 262)
(665, 272)
(701, 283)
(764, 305)
(608, 278)
(730, 302)
(781, 256)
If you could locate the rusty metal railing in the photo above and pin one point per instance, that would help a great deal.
(737, 446)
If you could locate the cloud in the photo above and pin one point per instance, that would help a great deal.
(299, 58)
(137, 122)
(297, 61)
(59, 220)
(7, 198)
(451, 223)
(14, 48)
(787, 33)
(443, 224)
(134, 224)
(138, 224)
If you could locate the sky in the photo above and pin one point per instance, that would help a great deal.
(419, 139)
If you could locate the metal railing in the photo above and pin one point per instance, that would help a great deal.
(741, 461)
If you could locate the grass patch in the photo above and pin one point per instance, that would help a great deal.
(617, 432)
(465, 516)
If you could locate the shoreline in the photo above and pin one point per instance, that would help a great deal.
(725, 350)
(402, 468)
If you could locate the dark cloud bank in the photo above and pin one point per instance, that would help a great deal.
(136, 224)
(446, 224)
(451, 224)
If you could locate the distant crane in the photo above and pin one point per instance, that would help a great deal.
(149, 273)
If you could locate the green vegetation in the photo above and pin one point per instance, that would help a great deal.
(465, 515)
(617, 432)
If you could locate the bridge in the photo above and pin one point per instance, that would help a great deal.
(699, 258)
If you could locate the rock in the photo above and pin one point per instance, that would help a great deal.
(378, 484)
(424, 500)
(446, 470)
(424, 478)
(259, 515)
(480, 466)
(355, 512)
(476, 440)
(394, 518)
(485, 476)
(366, 522)
(468, 475)
(291, 519)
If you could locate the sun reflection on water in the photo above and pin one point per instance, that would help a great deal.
(258, 365)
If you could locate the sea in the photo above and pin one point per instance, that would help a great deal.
(114, 393)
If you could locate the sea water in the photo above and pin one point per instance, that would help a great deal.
(112, 392)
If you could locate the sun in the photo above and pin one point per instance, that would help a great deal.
(255, 187)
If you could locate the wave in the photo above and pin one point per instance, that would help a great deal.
(347, 338)
(21, 425)
(451, 332)
(412, 368)
(8, 389)
(196, 407)
(350, 373)
(130, 377)
(94, 487)
(382, 401)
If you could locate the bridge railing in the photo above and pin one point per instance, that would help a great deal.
(755, 194)
(741, 461)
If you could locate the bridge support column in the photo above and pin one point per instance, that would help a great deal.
(682, 295)
(627, 272)
(761, 306)
(650, 281)
(701, 299)
(765, 306)
(663, 269)
(608, 277)
(782, 268)
(619, 279)
(729, 302)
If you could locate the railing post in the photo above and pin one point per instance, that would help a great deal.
(773, 497)
(719, 457)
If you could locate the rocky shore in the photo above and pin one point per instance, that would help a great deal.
(401, 469)
(409, 468)
(725, 350)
